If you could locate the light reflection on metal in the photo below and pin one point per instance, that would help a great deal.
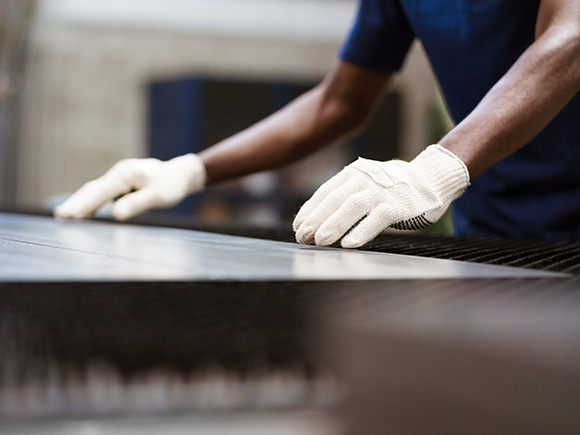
(44, 249)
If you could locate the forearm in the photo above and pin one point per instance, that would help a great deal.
(332, 110)
(293, 132)
(521, 104)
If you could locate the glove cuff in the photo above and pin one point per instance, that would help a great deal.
(194, 169)
(445, 172)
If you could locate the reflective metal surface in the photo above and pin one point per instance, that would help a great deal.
(43, 249)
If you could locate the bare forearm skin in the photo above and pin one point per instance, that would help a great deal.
(334, 109)
(537, 87)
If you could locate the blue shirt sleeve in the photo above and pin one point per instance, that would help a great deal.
(380, 37)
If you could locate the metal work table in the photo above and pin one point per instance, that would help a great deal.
(251, 325)
(34, 249)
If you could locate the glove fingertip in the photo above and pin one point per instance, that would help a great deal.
(296, 224)
(66, 212)
(325, 239)
(67, 208)
(122, 212)
(60, 212)
(351, 242)
(303, 212)
(305, 235)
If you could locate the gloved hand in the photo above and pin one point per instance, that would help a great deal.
(368, 196)
(139, 185)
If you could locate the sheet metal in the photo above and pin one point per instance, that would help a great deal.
(43, 249)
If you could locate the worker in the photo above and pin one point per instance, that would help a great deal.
(510, 73)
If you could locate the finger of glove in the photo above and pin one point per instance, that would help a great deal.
(321, 193)
(135, 203)
(370, 227)
(347, 215)
(90, 197)
(326, 208)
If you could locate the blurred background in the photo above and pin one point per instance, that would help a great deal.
(85, 83)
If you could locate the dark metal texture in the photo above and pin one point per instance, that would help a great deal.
(519, 253)
(495, 357)
(506, 252)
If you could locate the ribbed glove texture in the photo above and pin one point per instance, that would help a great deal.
(368, 196)
(141, 184)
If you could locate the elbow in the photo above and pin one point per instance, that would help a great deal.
(346, 117)
(573, 48)
(568, 41)
(576, 57)
(562, 45)
(558, 31)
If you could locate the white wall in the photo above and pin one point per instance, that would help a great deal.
(308, 20)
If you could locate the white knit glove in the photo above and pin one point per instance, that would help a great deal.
(368, 196)
(139, 185)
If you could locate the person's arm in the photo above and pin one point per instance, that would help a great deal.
(335, 108)
(538, 86)
(368, 196)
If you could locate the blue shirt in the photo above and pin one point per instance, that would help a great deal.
(471, 44)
